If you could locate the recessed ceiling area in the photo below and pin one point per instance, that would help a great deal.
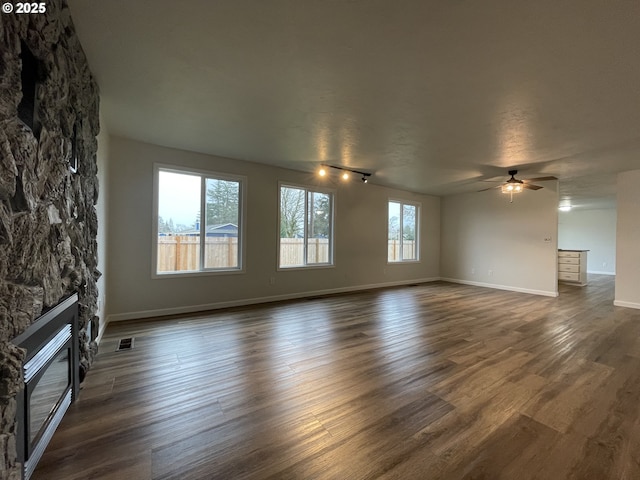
(431, 97)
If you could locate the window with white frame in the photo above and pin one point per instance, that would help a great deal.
(306, 227)
(198, 222)
(403, 231)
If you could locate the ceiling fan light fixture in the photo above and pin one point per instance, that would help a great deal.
(512, 187)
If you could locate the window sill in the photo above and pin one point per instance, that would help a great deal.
(200, 273)
(305, 267)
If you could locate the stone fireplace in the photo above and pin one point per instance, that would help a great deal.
(49, 120)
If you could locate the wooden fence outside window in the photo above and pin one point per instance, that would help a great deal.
(181, 253)
(408, 248)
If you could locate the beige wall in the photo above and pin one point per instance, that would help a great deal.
(490, 242)
(360, 238)
(628, 240)
(103, 224)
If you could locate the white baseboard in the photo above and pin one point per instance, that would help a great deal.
(103, 327)
(620, 303)
(502, 287)
(161, 312)
(601, 273)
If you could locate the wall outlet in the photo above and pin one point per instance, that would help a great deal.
(547, 240)
(604, 264)
(473, 271)
(490, 273)
(272, 281)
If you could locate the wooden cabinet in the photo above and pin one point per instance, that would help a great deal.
(572, 266)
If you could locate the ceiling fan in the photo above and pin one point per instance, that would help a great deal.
(513, 185)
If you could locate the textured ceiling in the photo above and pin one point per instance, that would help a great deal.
(429, 96)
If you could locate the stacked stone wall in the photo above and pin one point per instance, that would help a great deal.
(48, 220)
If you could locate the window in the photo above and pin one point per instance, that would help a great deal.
(306, 227)
(199, 222)
(403, 232)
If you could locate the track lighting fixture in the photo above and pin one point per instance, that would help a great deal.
(345, 172)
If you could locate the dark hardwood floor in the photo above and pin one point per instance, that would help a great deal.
(435, 381)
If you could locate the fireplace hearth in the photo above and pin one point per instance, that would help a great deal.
(51, 378)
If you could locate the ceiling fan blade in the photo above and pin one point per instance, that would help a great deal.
(531, 187)
(539, 179)
(490, 188)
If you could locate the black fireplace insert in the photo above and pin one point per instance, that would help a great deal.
(51, 379)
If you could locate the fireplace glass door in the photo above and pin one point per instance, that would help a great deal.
(48, 392)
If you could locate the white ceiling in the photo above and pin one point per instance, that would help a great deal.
(430, 96)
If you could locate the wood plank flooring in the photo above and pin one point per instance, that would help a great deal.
(435, 381)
